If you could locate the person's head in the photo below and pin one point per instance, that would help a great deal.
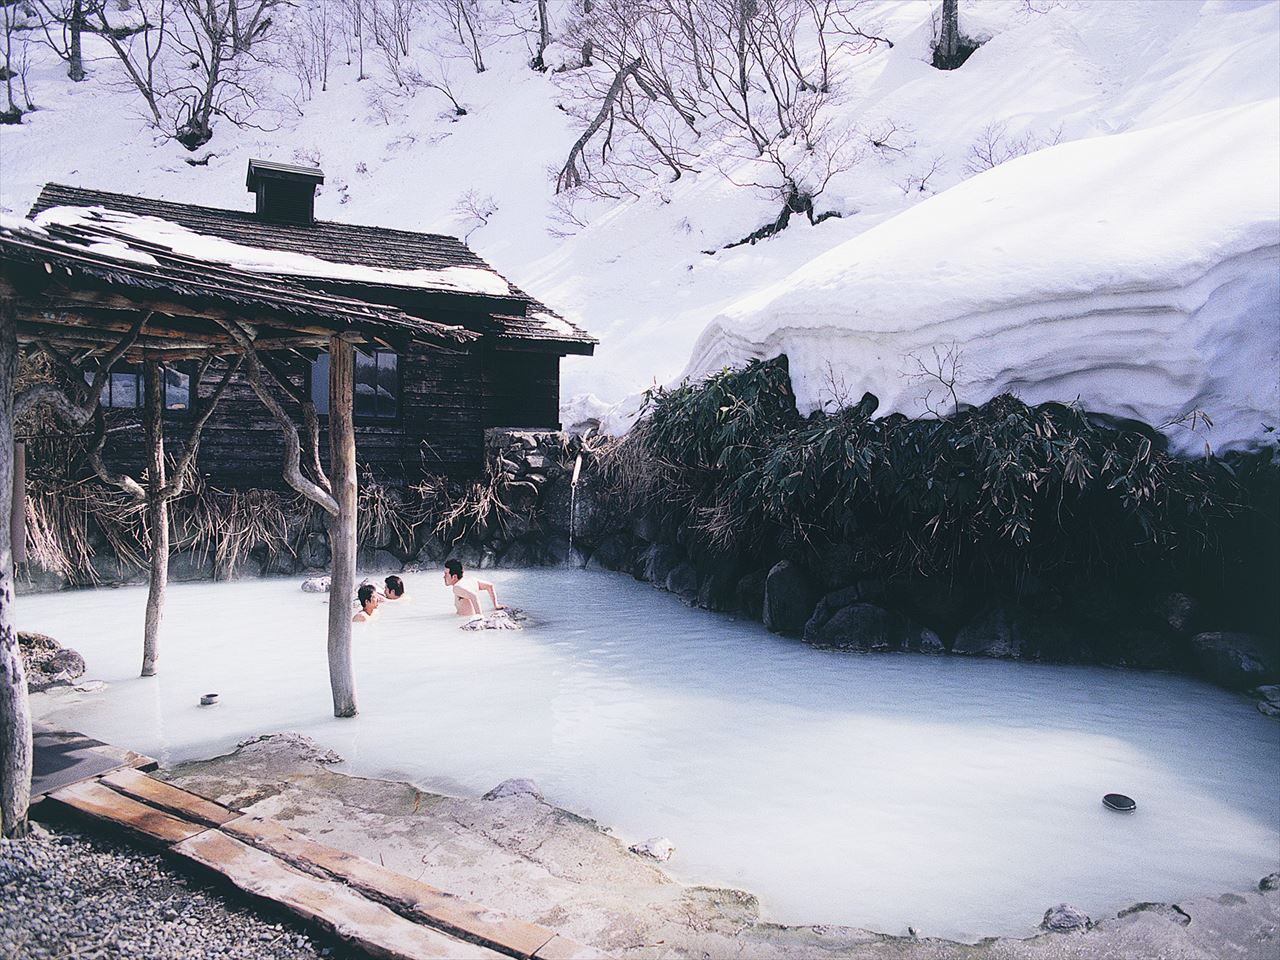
(452, 572)
(395, 587)
(367, 595)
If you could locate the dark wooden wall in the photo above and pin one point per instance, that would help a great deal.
(446, 401)
(521, 389)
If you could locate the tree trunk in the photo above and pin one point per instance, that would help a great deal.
(75, 23)
(342, 528)
(157, 513)
(15, 716)
(18, 519)
(949, 39)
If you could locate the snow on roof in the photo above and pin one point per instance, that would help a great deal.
(120, 228)
(1137, 271)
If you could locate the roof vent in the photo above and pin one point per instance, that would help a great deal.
(286, 194)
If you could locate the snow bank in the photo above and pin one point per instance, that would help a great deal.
(1138, 272)
(119, 228)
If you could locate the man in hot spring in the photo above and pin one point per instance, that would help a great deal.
(367, 598)
(466, 590)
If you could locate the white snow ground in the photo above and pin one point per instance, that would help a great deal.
(1132, 266)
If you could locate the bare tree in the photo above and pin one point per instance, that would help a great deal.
(216, 42)
(475, 210)
(738, 80)
(951, 48)
(544, 37)
(995, 146)
(64, 22)
(467, 19)
(138, 44)
(9, 20)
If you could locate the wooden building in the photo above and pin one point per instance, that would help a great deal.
(418, 410)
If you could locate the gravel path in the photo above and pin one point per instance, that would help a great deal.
(68, 894)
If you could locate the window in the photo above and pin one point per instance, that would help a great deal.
(124, 388)
(377, 385)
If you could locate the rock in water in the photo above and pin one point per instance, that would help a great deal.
(1238, 661)
(515, 787)
(315, 585)
(789, 598)
(655, 848)
(508, 618)
(1270, 882)
(1065, 918)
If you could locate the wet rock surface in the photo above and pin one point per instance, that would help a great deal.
(69, 894)
(1065, 918)
(520, 854)
(1238, 661)
(48, 663)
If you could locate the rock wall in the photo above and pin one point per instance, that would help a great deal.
(831, 605)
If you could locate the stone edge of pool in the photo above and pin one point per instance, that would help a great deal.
(526, 857)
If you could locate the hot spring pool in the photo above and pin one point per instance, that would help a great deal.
(960, 796)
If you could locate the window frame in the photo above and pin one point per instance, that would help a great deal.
(134, 371)
(361, 419)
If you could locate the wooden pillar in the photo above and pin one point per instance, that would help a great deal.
(342, 528)
(15, 716)
(157, 512)
(18, 519)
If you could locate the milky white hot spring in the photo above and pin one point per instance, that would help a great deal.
(960, 796)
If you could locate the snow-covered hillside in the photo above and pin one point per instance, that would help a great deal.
(1132, 265)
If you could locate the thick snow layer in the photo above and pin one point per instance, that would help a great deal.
(122, 227)
(1138, 272)
(637, 275)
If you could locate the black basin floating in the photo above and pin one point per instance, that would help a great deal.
(1118, 801)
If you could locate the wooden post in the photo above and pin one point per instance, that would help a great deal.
(157, 512)
(342, 528)
(15, 716)
(18, 520)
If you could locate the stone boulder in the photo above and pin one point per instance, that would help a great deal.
(868, 628)
(1238, 661)
(508, 618)
(1140, 647)
(789, 598)
(991, 635)
(655, 848)
(749, 594)
(1270, 882)
(1065, 918)
(659, 560)
(1268, 699)
(515, 787)
(47, 663)
(718, 588)
(612, 553)
(315, 585)
(683, 580)
(1017, 632)
(1178, 611)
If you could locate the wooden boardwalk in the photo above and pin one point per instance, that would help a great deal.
(383, 913)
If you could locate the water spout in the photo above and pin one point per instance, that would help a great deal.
(573, 505)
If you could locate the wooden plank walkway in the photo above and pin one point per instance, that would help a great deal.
(383, 913)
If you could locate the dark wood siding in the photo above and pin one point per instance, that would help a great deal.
(521, 389)
(440, 429)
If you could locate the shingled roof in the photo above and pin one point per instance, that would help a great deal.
(516, 315)
(76, 253)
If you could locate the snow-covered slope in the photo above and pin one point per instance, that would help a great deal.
(637, 275)
(1139, 272)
